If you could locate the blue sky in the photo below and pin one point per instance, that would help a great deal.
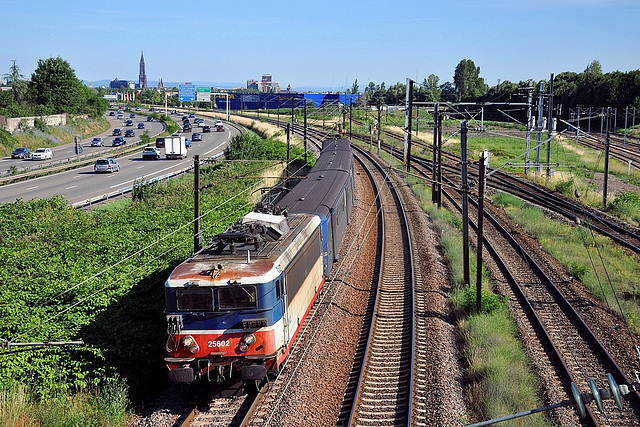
(321, 43)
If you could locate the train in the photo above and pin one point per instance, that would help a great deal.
(235, 307)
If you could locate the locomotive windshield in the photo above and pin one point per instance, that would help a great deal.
(199, 299)
(237, 297)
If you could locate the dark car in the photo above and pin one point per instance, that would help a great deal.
(111, 113)
(191, 115)
(130, 133)
(186, 127)
(21, 153)
(132, 116)
(149, 118)
(197, 136)
(129, 122)
(118, 140)
(140, 125)
(117, 132)
(206, 128)
(159, 142)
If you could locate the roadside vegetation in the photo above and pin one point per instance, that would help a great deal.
(99, 276)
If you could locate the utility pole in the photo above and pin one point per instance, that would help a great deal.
(465, 205)
(305, 133)
(529, 126)
(197, 235)
(550, 126)
(434, 187)
(539, 127)
(379, 122)
(286, 169)
(606, 160)
(481, 178)
(407, 125)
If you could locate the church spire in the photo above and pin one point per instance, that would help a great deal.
(143, 75)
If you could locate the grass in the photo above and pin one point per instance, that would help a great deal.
(106, 407)
(608, 271)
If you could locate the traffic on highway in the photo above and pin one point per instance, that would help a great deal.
(83, 185)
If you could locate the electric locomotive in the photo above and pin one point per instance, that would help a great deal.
(235, 307)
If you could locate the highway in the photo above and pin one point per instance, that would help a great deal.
(82, 184)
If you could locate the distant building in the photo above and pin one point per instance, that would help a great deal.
(118, 83)
(252, 84)
(142, 79)
(160, 84)
(267, 84)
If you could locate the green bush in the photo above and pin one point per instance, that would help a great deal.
(627, 205)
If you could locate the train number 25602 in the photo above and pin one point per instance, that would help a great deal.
(218, 343)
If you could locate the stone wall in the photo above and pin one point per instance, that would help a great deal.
(12, 124)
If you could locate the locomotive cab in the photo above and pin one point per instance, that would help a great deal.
(235, 305)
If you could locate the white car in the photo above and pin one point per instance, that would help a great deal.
(42, 154)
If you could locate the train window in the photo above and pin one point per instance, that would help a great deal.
(199, 299)
(277, 289)
(237, 297)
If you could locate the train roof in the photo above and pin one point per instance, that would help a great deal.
(318, 192)
(250, 251)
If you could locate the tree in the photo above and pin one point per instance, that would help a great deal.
(448, 92)
(432, 88)
(469, 85)
(594, 69)
(18, 85)
(354, 88)
(55, 85)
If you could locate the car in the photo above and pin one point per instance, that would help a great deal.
(21, 153)
(198, 121)
(186, 127)
(206, 128)
(117, 132)
(187, 142)
(132, 116)
(120, 116)
(42, 154)
(118, 140)
(138, 109)
(140, 125)
(219, 128)
(129, 133)
(191, 115)
(160, 142)
(197, 136)
(129, 122)
(106, 165)
(149, 118)
(150, 153)
(111, 113)
(97, 142)
(185, 118)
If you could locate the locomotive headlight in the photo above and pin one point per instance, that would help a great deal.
(189, 342)
(247, 341)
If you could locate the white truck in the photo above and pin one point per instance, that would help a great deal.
(175, 147)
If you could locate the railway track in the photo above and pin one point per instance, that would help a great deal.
(384, 389)
(577, 353)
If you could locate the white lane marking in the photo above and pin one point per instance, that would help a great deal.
(174, 165)
(31, 188)
(69, 188)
